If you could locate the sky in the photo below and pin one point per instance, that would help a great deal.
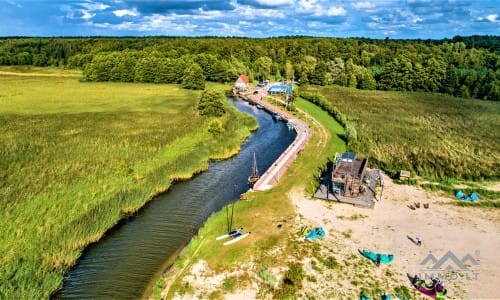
(405, 19)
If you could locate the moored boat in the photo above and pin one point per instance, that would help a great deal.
(237, 237)
(252, 179)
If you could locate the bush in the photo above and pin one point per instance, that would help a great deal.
(215, 127)
(211, 103)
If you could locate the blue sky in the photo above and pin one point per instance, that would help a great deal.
(424, 19)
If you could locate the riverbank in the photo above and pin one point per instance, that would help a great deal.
(266, 214)
(79, 157)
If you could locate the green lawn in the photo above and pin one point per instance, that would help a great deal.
(76, 157)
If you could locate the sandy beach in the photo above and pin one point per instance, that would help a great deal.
(468, 234)
(461, 231)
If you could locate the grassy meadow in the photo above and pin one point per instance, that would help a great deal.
(435, 136)
(76, 157)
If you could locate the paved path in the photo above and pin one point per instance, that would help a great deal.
(273, 173)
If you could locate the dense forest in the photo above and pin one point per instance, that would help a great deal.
(466, 67)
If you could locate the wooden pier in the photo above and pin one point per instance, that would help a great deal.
(276, 170)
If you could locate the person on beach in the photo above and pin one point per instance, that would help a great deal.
(378, 259)
(419, 241)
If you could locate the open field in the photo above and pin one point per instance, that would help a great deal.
(76, 157)
(432, 134)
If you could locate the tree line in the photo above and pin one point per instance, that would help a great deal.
(466, 67)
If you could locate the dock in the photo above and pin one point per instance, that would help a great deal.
(272, 175)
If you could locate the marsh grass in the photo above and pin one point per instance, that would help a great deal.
(77, 157)
(432, 135)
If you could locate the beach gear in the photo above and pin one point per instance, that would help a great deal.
(305, 230)
(316, 233)
(435, 290)
(377, 257)
(229, 234)
(237, 237)
(461, 196)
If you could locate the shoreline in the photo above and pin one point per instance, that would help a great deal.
(128, 213)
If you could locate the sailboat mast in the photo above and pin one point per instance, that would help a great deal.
(252, 179)
(255, 171)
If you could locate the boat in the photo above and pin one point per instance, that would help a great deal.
(435, 290)
(236, 237)
(377, 258)
(276, 117)
(259, 106)
(289, 125)
(252, 179)
(229, 234)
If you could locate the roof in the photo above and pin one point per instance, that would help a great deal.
(244, 78)
(281, 88)
(349, 155)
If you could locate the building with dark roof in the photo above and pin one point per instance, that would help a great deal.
(348, 174)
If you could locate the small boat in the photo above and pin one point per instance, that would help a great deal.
(252, 179)
(289, 125)
(259, 106)
(229, 234)
(236, 237)
(276, 117)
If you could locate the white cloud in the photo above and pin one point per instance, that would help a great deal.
(126, 12)
(336, 11)
(307, 5)
(275, 2)
(363, 5)
(417, 20)
(94, 6)
(493, 18)
(209, 14)
(86, 15)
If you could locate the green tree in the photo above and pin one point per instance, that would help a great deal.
(319, 75)
(289, 72)
(336, 72)
(351, 73)
(263, 67)
(211, 103)
(307, 68)
(193, 78)
(367, 81)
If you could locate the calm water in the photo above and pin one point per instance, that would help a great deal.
(125, 262)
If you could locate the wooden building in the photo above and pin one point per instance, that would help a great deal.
(348, 175)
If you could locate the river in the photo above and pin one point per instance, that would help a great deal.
(131, 256)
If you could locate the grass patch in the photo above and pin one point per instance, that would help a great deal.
(347, 234)
(354, 217)
(430, 134)
(76, 157)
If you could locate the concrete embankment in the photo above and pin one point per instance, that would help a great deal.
(273, 173)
